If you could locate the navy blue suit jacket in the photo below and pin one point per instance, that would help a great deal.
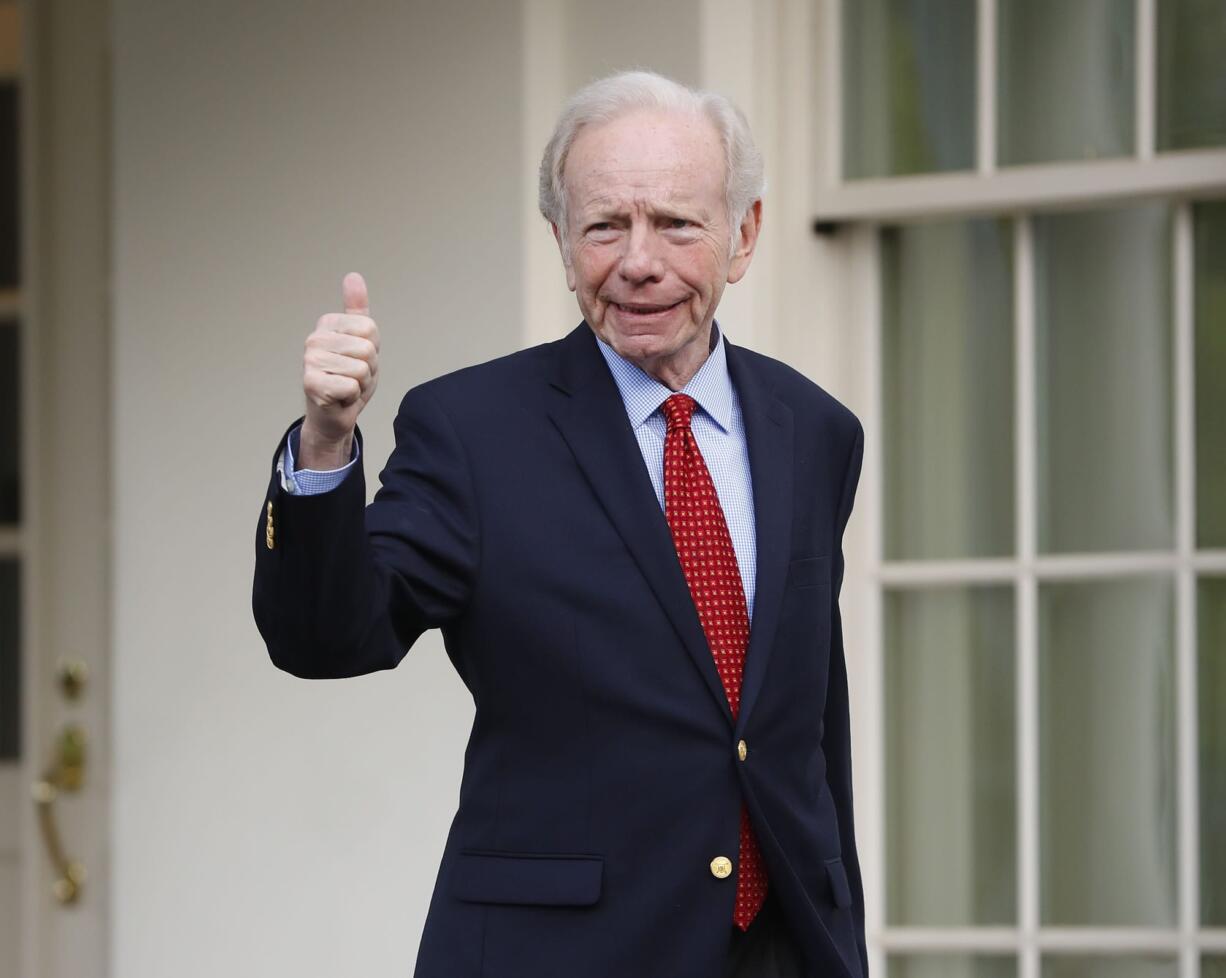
(602, 775)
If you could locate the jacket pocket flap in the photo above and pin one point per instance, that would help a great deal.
(840, 889)
(527, 878)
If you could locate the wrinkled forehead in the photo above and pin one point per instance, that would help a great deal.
(667, 157)
(630, 189)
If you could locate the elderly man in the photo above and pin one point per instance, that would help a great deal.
(631, 539)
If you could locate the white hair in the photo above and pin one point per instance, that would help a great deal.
(615, 95)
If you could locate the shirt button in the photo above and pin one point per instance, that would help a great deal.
(741, 749)
(721, 867)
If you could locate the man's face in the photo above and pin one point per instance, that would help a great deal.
(649, 237)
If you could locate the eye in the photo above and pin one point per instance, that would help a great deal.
(678, 223)
(601, 232)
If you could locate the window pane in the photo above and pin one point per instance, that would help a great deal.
(947, 347)
(1107, 753)
(1103, 367)
(1191, 82)
(1109, 966)
(10, 232)
(10, 662)
(951, 966)
(1211, 638)
(950, 786)
(10, 423)
(1213, 966)
(1210, 237)
(908, 86)
(1065, 79)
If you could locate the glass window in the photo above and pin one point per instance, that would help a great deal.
(1065, 80)
(1209, 221)
(947, 348)
(10, 231)
(1213, 966)
(952, 966)
(1103, 356)
(10, 422)
(951, 788)
(1211, 638)
(1191, 81)
(1107, 753)
(908, 87)
(1099, 487)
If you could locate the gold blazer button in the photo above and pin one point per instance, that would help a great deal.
(721, 867)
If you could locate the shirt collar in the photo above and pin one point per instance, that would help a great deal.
(711, 386)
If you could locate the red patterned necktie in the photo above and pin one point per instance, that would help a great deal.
(708, 561)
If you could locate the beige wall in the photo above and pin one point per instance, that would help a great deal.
(263, 824)
(603, 37)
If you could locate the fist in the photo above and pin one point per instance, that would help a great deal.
(340, 369)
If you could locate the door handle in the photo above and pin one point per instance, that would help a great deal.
(65, 773)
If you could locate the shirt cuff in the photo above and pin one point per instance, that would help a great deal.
(309, 482)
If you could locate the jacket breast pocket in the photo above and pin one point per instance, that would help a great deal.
(809, 571)
(527, 878)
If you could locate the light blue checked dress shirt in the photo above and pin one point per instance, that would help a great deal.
(720, 434)
(717, 425)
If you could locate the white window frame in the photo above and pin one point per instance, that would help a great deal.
(1018, 192)
(993, 189)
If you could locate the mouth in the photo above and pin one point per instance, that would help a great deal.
(645, 310)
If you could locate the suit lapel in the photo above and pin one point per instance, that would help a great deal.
(768, 431)
(592, 419)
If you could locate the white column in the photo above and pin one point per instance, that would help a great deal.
(549, 310)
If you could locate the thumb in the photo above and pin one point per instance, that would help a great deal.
(354, 291)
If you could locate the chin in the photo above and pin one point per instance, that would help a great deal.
(643, 346)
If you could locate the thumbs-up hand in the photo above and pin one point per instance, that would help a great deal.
(340, 370)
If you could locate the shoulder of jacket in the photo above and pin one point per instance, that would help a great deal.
(488, 379)
(803, 393)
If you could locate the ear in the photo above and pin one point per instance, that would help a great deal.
(570, 271)
(747, 239)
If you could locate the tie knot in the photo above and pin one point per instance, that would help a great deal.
(678, 410)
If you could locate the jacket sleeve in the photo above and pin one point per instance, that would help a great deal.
(344, 589)
(836, 722)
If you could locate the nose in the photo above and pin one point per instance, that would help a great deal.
(641, 261)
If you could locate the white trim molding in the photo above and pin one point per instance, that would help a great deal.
(1042, 186)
